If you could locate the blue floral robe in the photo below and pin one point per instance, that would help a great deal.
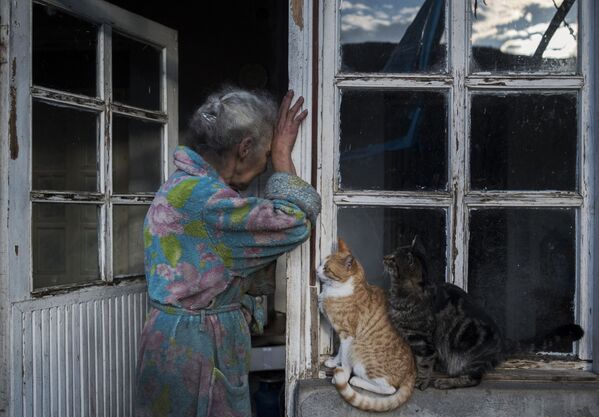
(201, 240)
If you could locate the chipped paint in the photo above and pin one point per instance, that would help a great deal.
(12, 121)
(297, 11)
(3, 48)
(46, 94)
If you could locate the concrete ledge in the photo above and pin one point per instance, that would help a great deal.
(318, 398)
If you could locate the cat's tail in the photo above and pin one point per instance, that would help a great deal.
(550, 342)
(368, 402)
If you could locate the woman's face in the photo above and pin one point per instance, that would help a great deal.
(250, 167)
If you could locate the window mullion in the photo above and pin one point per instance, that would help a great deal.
(586, 162)
(457, 236)
(105, 151)
(528, 82)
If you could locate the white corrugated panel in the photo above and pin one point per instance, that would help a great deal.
(77, 358)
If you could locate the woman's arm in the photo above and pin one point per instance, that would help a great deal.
(249, 233)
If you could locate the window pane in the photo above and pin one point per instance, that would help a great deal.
(524, 142)
(128, 246)
(136, 155)
(64, 51)
(522, 268)
(393, 36)
(64, 148)
(525, 35)
(373, 232)
(135, 73)
(65, 244)
(393, 140)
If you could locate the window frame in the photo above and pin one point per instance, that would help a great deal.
(22, 94)
(458, 83)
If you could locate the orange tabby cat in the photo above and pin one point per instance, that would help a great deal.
(380, 359)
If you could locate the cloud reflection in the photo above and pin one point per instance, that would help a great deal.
(511, 26)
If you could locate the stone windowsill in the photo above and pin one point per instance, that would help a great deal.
(506, 392)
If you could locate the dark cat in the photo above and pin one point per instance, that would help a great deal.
(446, 330)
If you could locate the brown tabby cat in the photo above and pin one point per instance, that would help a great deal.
(380, 359)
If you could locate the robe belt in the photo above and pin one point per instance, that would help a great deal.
(178, 311)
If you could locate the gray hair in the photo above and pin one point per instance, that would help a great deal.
(231, 114)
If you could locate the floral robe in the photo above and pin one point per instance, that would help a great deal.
(201, 240)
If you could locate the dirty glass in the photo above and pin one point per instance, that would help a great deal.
(522, 268)
(128, 246)
(65, 244)
(373, 232)
(393, 140)
(64, 148)
(389, 36)
(525, 36)
(135, 73)
(64, 51)
(137, 155)
(523, 141)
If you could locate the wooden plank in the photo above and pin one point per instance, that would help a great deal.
(408, 199)
(394, 82)
(6, 317)
(457, 216)
(23, 322)
(299, 318)
(76, 361)
(37, 353)
(61, 363)
(523, 199)
(139, 113)
(593, 153)
(525, 82)
(53, 361)
(587, 165)
(126, 22)
(78, 101)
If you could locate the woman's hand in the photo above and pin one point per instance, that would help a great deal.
(285, 134)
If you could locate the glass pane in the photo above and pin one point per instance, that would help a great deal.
(64, 51)
(65, 244)
(523, 142)
(393, 140)
(135, 73)
(393, 36)
(64, 148)
(136, 155)
(522, 268)
(373, 232)
(128, 246)
(525, 35)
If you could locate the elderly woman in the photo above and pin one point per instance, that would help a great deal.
(202, 242)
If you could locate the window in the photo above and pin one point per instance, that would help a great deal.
(465, 123)
(102, 118)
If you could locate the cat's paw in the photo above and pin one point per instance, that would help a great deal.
(423, 384)
(442, 383)
(332, 362)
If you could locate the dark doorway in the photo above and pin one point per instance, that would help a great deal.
(243, 42)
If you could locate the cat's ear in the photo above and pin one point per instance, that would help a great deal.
(417, 245)
(341, 246)
(349, 261)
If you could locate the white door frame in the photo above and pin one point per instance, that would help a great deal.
(302, 316)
